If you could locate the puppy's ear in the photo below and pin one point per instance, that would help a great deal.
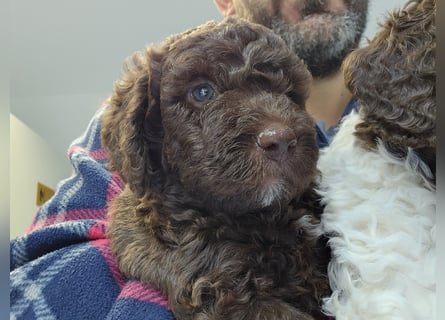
(132, 129)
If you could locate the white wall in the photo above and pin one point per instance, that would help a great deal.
(64, 116)
(378, 10)
(4, 140)
(32, 160)
(4, 165)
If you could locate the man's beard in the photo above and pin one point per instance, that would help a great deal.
(322, 40)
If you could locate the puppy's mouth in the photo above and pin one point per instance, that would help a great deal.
(279, 180)
(274, 191)
(271, 195)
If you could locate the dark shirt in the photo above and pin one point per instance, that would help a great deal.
(324, 137)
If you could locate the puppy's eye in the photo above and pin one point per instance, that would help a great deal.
(202, 92)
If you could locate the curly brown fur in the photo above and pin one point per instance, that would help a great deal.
(225, 228)
(394, 79)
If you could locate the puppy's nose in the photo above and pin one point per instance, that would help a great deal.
(277, 141)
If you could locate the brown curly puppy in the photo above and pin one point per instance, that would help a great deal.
(394, 79)
(210, 134)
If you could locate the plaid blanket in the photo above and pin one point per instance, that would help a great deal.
(63, 268)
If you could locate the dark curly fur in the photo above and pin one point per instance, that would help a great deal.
(224, 226)
(394, 79)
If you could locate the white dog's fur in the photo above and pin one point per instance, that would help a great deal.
(380, 217)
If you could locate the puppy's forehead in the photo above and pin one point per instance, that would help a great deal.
(229, 30)
(225, 42)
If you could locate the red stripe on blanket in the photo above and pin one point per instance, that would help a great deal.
(115, 186)
(140, 291)
(104, 247)
(72, 215)
(130, 289)
(98, 231)
(98, 154)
